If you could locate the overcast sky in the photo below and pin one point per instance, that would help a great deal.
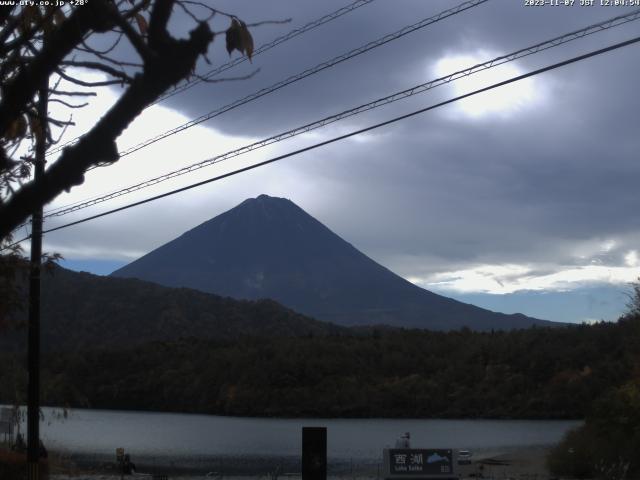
(522, 199)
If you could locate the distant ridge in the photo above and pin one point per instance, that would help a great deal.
(85, 311)
(268, 247)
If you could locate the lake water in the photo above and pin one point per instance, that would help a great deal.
(208, 440)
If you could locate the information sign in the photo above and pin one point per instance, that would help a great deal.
(419, 463)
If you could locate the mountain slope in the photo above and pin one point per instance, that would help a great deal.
(81, 310)
(270, 248)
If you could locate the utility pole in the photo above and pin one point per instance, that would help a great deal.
(33, 394)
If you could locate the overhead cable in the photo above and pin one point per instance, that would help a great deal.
(267, 46)
(554, 42)
(354, 133)
(307, 73)
(238, 60)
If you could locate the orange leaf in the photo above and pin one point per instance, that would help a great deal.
(17, 129)
(234, 42)
(246, 40)
(58, 16)
(239, 38)
(36, 128)
(142, 24)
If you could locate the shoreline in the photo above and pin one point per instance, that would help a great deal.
(517, 463)
(261, 415)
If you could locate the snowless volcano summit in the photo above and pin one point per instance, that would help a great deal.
(268, 247)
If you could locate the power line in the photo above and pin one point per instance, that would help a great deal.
(357, 132)
(238, 60)
(55, 211)
(306, 73)
(600, 26)
(554, 42)
(292, 34)
(342, 137)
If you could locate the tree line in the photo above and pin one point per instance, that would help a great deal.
(532, 373)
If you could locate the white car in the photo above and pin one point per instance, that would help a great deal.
(464, 457)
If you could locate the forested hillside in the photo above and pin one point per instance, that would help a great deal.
(81, 310)
(534, 373)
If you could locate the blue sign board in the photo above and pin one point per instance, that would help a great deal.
(419, 462)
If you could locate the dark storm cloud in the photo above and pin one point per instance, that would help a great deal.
(491, 191)
(361, 79)
(545, 185)
(501, 26)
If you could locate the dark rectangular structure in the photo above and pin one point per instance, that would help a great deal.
(419, 463)
(314, 453)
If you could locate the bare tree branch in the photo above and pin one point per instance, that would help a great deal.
(19, 90)
(158, 22)
(99, 66)
(68, 105)
(31, 60)
(136, 9)
(173, 61)
(188, 12)
(107, 51)
(73, 94)
(11, 25)
(226, 79)
(28, 35)
(83, 83)
(104, 56)
(136, 40)
(269, 22)
(60, 123)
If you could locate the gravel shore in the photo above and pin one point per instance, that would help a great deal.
(513, 463)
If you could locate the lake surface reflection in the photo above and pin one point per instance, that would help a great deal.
(172, 435)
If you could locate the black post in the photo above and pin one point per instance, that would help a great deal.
(314, 453)
(33, 394)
